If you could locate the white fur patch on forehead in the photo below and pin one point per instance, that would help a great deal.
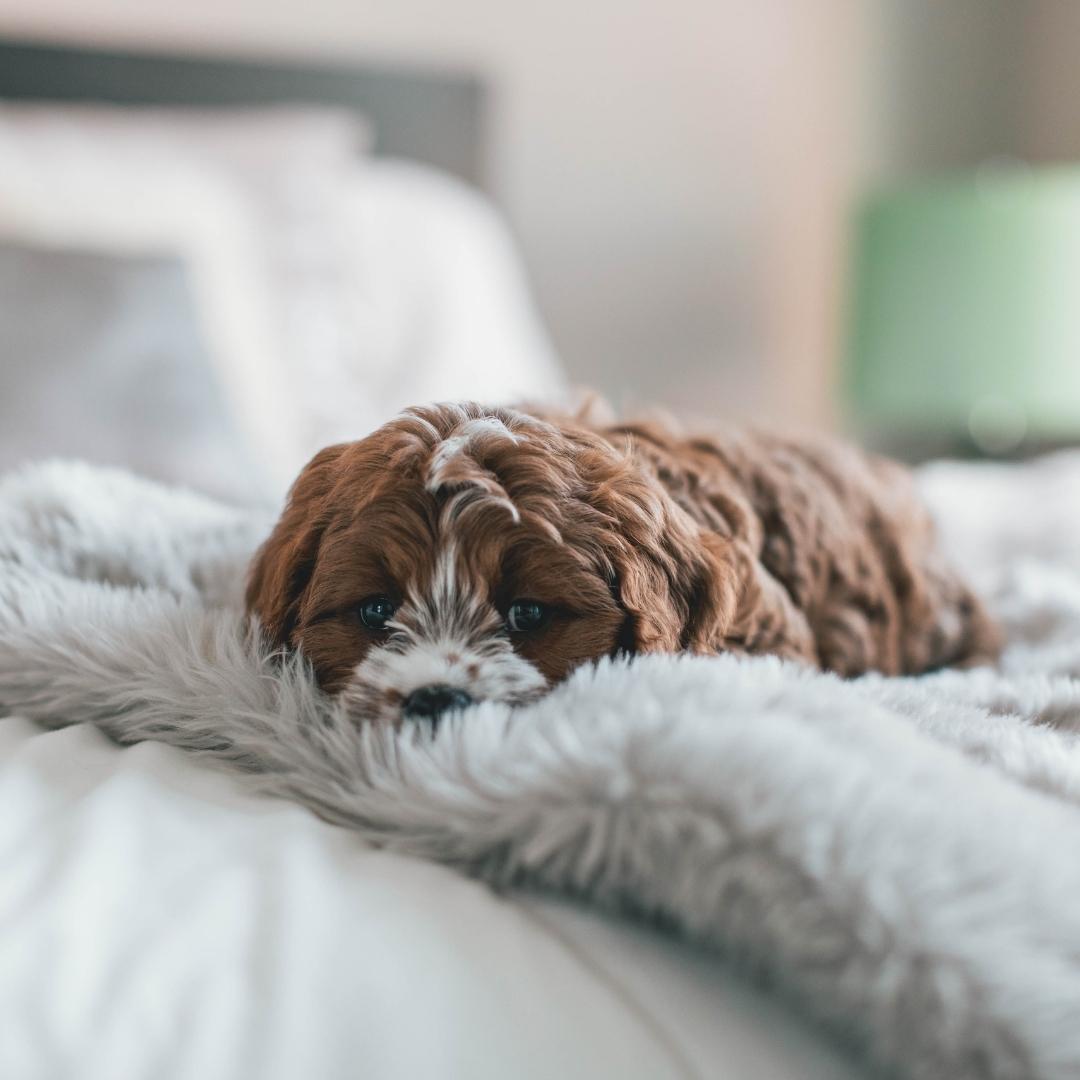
(464, 443)
(454, 466)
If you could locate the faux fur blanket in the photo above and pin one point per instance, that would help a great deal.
(895, 856)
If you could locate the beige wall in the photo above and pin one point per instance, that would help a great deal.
(670, 166)
(948, 86)
(1051, 87)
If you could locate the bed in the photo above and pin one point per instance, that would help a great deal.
(212, 870)
(159, 918)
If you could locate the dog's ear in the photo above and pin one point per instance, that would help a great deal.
(282, 567)
(686, 588)
(677, 582)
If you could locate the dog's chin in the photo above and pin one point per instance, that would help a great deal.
(380, 685)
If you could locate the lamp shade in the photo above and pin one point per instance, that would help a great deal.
(965, 317)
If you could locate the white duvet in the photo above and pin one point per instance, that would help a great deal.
(158, 922)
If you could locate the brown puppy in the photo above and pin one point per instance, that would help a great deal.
(462, 553)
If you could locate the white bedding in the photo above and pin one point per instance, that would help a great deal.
(157, 922)
(158, 919)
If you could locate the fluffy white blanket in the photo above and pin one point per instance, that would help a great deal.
(893, 855)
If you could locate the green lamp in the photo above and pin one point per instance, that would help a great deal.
(965, 317)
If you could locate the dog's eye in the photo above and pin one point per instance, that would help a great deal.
(376, 611)
(525, 615)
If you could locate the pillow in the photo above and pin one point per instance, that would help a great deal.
(240, 196)
(103, 360)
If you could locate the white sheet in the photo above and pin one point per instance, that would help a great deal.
(158, 921)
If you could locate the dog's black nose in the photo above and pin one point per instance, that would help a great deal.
(430, 702)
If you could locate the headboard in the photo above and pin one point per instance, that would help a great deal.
(433, 117)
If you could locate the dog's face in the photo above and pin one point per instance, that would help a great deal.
(463, 554)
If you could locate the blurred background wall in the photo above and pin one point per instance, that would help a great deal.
(680, 173)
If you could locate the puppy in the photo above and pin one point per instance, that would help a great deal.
(463, 553)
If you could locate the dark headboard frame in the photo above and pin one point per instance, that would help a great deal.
(433, 117)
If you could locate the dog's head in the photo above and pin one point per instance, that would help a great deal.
(463, 554)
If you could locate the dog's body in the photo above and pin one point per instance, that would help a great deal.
(462, 553)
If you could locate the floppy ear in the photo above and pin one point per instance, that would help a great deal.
(687, 588)
(761, 616)
(281, 569)
(678, 592)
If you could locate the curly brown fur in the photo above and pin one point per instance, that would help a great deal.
(632, 538)
(862, 583)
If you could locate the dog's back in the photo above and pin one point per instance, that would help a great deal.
(844, 534)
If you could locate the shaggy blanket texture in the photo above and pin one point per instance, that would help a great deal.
(895, 856)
